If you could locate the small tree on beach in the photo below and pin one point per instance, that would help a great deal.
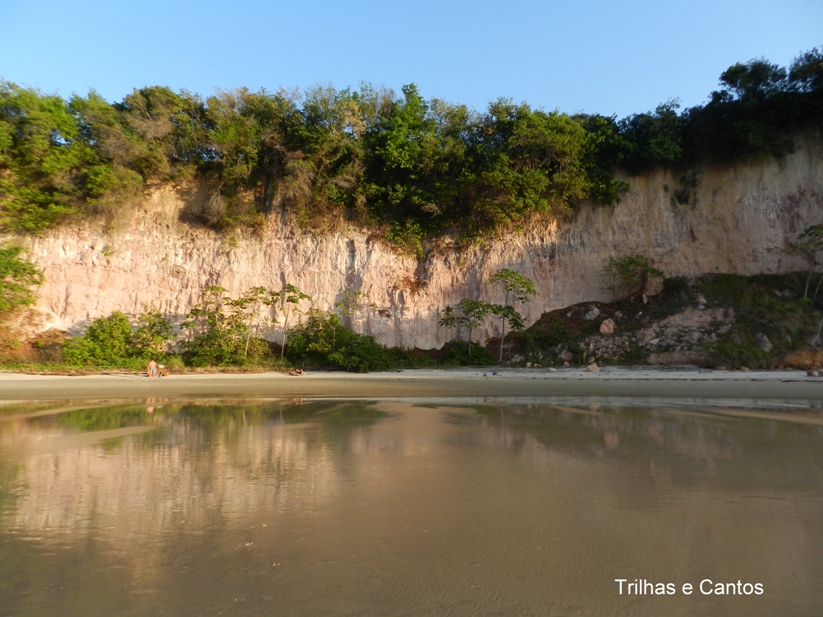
(289, 299)
(248, 306)
(470, 314)
(352, 303)
(516, 287)
(809, 245)
(215, 336)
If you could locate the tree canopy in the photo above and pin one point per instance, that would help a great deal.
(18, 278)
(415, 166)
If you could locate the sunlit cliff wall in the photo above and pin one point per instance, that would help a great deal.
(737, 219)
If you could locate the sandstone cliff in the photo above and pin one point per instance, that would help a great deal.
(736, 219)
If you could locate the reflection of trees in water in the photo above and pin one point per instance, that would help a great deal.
(212, 419)
(10, 486)
(693, 448)
(100, 418)
(207, 466)
(207, 425)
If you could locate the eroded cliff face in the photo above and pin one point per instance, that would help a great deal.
(735, 219)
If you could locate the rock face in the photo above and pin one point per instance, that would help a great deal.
(738, 219)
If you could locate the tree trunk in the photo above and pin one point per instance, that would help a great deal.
(470, 345)
(503, 328)
(808, 280)
(285, 324)
(502, 338)
(817, 288)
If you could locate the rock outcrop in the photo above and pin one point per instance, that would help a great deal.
(737, 219)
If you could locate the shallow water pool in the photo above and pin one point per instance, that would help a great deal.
(410, 507)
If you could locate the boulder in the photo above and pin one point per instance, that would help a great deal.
(653, 286)
(763, 342)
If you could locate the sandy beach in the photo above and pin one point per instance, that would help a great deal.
(670, 382)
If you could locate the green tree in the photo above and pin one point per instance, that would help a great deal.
(517, 287)
(152, 114)
(40, 159)
(106, 342)
(112, 341)
(470, 316)
(247, 307)
(289, 299)
(353, 303)
(18, 277)
(153, 335)
(806, 72)
(216, 336)
(756, 79)
(321, 340)
(628, 275)
(652, 139)
(809, 245)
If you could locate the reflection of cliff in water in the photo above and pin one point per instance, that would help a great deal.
(693, 447)
(183, 467)
(390, 508)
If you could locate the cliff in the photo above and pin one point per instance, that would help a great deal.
(736, 219)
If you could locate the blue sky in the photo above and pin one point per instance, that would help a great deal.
(593, 56)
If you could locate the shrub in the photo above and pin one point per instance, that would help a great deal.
(458, 353)
(628, 275)
(105, 342)
(110, 341)
(322, 341)
(17, 278)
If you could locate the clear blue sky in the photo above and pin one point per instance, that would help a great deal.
(593, 56)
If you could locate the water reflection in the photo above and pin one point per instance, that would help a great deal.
(384, 508)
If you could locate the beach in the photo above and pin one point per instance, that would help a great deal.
(645, 382)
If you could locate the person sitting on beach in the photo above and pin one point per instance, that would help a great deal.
(164, 370)
(152, 370)
(296, 372)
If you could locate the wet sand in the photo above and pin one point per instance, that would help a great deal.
(610, 382)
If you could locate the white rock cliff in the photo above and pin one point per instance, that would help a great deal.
(737, 219)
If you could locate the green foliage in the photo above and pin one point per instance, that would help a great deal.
(547, 333)
(417, 167)
(17, 278)
(733, 354)
(218, 333)
(322, 341)
(628, 275)
(112, 342)
(470, 315)
(289, 299)
(408, 237)
(460, 353)
(225, 331)
(761, 306)
(61, 158)
(106, 342)
(652, 139)
(809, 245)
(153, 336)
(470, 312)
(515, 286)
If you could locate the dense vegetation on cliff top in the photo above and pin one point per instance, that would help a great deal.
(414, 167)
